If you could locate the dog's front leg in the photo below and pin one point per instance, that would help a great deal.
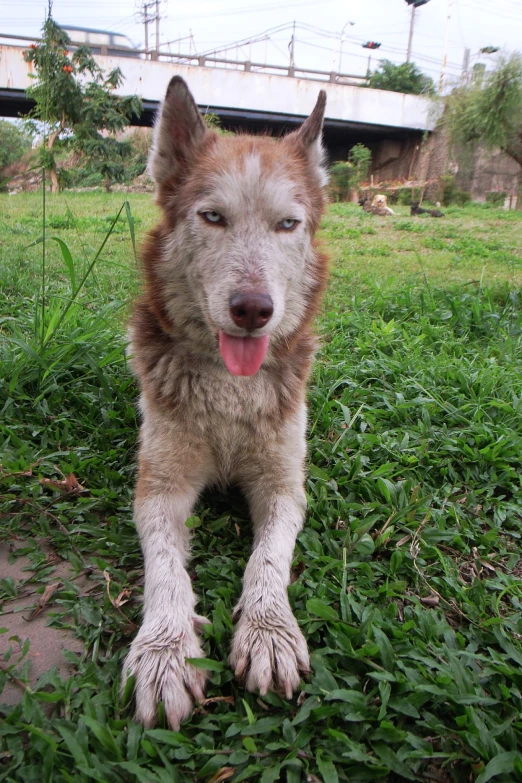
(268, 650)
(168, 634)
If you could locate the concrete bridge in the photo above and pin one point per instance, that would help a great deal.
(244, 96)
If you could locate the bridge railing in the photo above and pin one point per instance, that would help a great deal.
(206, 61)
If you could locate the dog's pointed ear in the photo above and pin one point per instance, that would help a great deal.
(178, 132)
(311, 129)
(309, 136)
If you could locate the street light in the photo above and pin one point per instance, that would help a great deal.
(341, 44)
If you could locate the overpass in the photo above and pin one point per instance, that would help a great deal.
(245, 96)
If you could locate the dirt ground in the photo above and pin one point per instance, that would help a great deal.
(46, 643)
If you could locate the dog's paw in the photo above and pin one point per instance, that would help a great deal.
(269, 654)
(157, 662)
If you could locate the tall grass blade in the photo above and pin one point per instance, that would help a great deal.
(130, 220)
(82, 282)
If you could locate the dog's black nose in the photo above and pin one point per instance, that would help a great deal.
(251, 311)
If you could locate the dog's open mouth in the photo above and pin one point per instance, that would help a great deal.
(242, 355)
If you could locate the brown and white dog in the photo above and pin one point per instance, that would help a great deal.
(222, 346)
(380, 201)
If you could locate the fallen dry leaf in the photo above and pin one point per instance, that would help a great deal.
(222, 774)
(43, 601)
(122, 598)
(215, 699)
(430, 600)
(69, 485)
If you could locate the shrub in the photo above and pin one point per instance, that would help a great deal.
(406, 78)
(496, 197)
(450, 194)
(405, 196)
(346, 176)
(14, 141)
(340, 180)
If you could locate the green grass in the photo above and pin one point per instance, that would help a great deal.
(408, 572)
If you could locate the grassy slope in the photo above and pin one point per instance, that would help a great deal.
(407, 575)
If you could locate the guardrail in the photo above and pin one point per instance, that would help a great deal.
(205, 61)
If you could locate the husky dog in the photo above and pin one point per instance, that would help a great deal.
(222, 346)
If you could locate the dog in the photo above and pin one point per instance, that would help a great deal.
(381, 202)
(416, 209)
(367, 205)
(222, 344)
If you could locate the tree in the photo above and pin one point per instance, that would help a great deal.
(346, 176)
(14, 141)
(489, 111)
(74, 107)
(401, 78)
(360, 158)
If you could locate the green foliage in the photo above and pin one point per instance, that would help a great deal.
(339, 179)
(360, 158)
(14, 141)
(406, 78)
(346, 176)
(450, 194)
(407, 573)
(489, 112)
(496, 197)
(405, 196)
(77, 101)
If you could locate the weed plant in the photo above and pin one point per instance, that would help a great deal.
(407, 577)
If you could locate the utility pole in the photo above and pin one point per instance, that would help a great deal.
(465, 68)
(410, 37)
(291, 47)
(147, 17)
(445, 56)
(157, 26)
(414, 4)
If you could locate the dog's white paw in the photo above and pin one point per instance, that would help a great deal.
(269, 653)
(157, 661)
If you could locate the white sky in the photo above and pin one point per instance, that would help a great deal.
(215, 23)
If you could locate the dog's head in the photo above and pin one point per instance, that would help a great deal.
(380, 201)
(240, 213)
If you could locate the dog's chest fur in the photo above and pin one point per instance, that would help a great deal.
(187, 392)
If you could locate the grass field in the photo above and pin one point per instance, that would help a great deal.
(407, 576)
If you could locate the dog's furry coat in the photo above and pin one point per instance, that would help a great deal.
(239, 217)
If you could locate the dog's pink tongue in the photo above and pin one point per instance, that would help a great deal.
(243, 355)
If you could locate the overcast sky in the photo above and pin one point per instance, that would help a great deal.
(204, 25)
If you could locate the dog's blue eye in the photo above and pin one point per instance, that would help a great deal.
(288, 224)
(212, 217)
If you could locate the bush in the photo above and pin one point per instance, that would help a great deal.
(14, 141)
(406, 78)
(450, 194)
(496, 198)
(405, 196)
(340, 180)
(346, 176)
